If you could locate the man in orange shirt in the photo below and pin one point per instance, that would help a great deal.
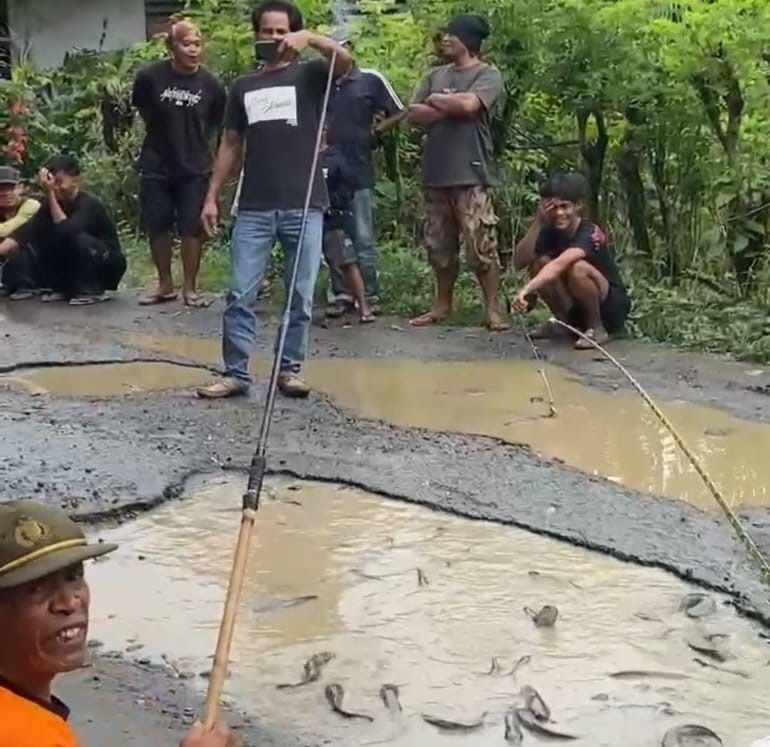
(44, 602)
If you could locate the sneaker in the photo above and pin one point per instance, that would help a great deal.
(225, 387)
(291, 385)
(52, 297)
(22, 295)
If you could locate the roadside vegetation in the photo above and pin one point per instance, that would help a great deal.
(665, 106)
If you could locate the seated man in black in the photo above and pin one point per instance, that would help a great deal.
(338, 248)
(71, 245)
(571, 266)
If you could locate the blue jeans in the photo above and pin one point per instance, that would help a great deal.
(254, 236)
(362, 234)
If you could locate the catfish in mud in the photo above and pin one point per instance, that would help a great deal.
(389, 697)
(311, 670)
(444, 725)
(533, 702)
(335, 694)
(546, 618)
(513, 732)
(691, 735)
(531, 723)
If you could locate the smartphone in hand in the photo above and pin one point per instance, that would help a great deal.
(266, 50)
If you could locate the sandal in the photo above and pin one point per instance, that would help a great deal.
(153, 299)
(194, 301)
(367, 318)
(598, 336)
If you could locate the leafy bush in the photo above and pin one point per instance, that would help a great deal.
(664, 105)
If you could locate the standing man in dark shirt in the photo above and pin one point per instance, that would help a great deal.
(454, 104)
(571, 265)
(182, 105)
(274, 113)
(70, 245)
(363, 106)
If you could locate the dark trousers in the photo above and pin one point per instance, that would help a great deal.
(69, 265)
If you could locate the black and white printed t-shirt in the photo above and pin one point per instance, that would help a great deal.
(278, 112)
(182, 114)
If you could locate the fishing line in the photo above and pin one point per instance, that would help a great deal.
(258, 462)
(741, 531)
(536, 355)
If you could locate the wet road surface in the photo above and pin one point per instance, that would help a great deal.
(83, 450)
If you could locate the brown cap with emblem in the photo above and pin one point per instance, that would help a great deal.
(37, 540)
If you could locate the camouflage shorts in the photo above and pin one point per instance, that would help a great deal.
(455, 213)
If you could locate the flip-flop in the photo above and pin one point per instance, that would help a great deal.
(198, 302)
(153, 299)
(426, 320)
(88, 300)
(367, 319)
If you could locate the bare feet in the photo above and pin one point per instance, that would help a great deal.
(435, 316)
(162, 294)
(495, 323)
(598, 335)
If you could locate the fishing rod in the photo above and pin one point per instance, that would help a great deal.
(259, 461)
(740, 530)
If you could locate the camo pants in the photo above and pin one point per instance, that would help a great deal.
(455, 213)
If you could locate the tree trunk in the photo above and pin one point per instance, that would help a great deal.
(593, 154)
(628, 164)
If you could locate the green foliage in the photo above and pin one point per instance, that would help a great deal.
(665, 105)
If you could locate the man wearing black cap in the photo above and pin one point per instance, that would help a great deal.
(44, 606)
(454, 104)
(15, 211)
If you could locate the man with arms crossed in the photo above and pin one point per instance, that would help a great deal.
(275, 114)
(181, 104)
(571, 266)
(454, 104)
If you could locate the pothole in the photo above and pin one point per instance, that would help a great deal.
(427, 601)
(611, 434)
(104, 380)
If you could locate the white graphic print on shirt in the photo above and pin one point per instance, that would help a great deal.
(271, 104)
(181, 96)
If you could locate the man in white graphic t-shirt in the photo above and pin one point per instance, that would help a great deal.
(274, 115)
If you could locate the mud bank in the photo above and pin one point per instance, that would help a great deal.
(146, 706)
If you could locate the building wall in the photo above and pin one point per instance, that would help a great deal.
(48, 29)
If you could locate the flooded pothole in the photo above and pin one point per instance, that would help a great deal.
(103, 380)
(403, 595)
(612, 434)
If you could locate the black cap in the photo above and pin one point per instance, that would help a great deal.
(471, 29)
(9, 175)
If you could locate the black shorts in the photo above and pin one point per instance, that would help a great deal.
(614, 310)
(172, 205)
(338, 248)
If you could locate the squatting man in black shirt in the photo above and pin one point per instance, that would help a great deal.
(274, 114)
(70, 247)
(571, 265)
(182, 105)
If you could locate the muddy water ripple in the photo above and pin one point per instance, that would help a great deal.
(425, 601)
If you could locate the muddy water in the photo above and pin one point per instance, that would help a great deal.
(612, 434)
(359, 554)
(108, 380)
